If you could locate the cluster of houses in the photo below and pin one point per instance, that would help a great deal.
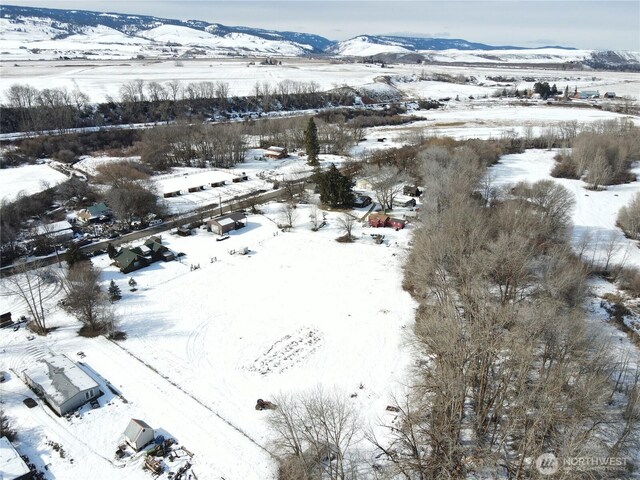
(134, 258)
(63, 231)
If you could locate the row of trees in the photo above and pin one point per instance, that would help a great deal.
(602, 154)
(30, 109)
(48, 109)
(507, 367)
(500, 322)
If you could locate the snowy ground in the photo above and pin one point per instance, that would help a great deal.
(100, 78)
(27, 179)
(300, 310)
(595, 213)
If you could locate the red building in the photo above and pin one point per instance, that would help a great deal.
(383, 220)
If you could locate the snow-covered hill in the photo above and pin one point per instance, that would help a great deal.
(28, 33)
(37, 33)
(461, 51)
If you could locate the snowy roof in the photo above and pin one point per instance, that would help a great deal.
(53, 227)
(60, 378)
(135, 428)
(276, 149)
(230, 218)
(183, 182)
(11, 465)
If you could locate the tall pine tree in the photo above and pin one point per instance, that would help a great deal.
(311, 144)
(114, 292)
(335, 188)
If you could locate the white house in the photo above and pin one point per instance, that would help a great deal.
(138, 434)
(62, 384)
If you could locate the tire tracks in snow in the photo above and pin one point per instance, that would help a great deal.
(197, 400)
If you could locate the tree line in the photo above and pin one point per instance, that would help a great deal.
(30, 109)
(507, 367)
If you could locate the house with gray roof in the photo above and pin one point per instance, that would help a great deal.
(62, 384)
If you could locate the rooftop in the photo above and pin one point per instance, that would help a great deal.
(60, 378)
(11, 465)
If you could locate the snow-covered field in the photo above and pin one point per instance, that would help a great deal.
(595, 212)
(100, 78)
(299, 310)
(28, 179)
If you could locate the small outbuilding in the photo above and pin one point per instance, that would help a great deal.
(12, 466)
(226, 223)
(5, 320)
(362, 201)
(276, 152)
(138, 434)
(63, 385)
(411, 190)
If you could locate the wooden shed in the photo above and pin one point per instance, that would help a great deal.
(226, 223)
(240, 178)
(138, 434)
(5, 320)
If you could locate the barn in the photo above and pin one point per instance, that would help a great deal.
(138, 434)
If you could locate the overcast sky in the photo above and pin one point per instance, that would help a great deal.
(582, 24)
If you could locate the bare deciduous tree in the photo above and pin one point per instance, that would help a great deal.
(386, 183)
(346, 223)
(317, 429)
(87, 300)
(30, 283)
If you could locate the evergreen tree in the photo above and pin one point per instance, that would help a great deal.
(335, 188)
(114, 291)
(311, 144)
(111, 251)
(132, 284)
(74, 254)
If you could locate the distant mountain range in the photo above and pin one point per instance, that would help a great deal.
(44, 33)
